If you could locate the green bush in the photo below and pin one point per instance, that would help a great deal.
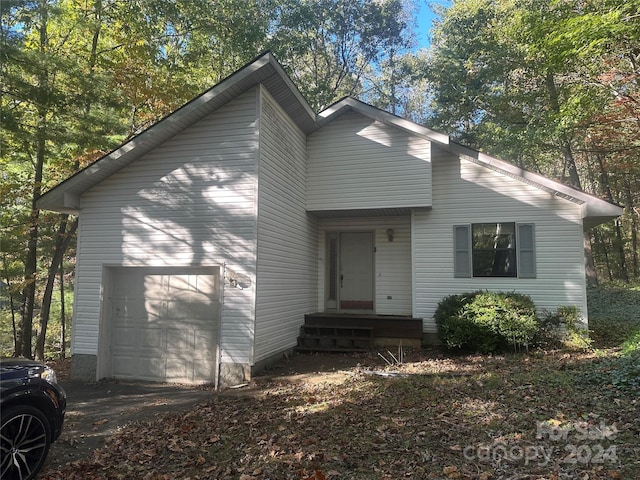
(564, 328)
(487, 321)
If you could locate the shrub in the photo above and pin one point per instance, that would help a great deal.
(486, 321)
(564, 328)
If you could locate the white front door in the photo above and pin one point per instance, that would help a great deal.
(356, 271)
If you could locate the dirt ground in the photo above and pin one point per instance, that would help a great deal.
(97, 410)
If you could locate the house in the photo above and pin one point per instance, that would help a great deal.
(205, 240)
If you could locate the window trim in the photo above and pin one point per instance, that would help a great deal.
(525, 250)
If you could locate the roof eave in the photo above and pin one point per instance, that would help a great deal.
(594, 210)
(265, 69)
(351, 104)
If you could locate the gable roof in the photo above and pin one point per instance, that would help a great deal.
(266, 70)
(594, 209)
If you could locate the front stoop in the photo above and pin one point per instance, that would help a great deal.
(345, 332)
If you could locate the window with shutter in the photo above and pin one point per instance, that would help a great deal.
(505, 249)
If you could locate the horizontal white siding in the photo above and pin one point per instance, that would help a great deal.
(358, 163)
(190, 202)
(392, 260)
(465, 193)
(287, 248)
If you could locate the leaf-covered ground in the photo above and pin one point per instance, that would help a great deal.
(550, 415)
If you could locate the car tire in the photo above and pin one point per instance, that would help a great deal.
(24, 442)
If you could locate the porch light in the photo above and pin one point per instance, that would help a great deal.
(390, 234)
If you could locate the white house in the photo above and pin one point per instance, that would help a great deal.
(206, 239)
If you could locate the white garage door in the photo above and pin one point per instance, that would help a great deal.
(164, 324)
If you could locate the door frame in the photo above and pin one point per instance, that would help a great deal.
(109, 276)
(333, 271)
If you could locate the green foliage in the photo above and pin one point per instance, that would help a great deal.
(614, 313)
(487, 321)
(552, 87)
(564, 328)
(78, 78)
(614, 316)
(334, 48)
(618, 373)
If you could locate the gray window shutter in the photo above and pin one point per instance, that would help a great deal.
(462, 251)
(526, 250)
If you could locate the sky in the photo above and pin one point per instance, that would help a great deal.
(424, 19)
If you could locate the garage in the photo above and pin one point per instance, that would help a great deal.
(164, 323)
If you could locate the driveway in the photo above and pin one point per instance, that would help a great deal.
(99, 409)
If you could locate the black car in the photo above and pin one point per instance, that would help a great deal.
(32, 406)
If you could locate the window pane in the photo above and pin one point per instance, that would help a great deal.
(494, 250)
(333, 269)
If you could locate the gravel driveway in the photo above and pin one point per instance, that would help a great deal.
(97, 410)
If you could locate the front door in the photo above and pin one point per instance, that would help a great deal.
(355, 271)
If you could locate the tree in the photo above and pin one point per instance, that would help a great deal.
(530, 81)
(45, 94)
(332, 48)
(80, 77)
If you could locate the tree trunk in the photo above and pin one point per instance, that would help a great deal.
(574, 179)
(589, 266)
(565, 144)
(619, 245)
(635, 215)
(24, 341)
(624, 275)
(12, 306)
(606, 255)
(63, 238)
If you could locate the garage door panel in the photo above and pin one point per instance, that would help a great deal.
(207, 283)
(124, 366)
(151, 367)
(179, 340)
(205, 340)
(179, 369)
(193, 307)
(151, 337)
(165, 324)
(129, 307)
(124, 337)
(155, 308)
(204, 369)
(181, 283)
(193, 283)
(130, 282)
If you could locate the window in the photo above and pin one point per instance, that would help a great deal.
(495, 250)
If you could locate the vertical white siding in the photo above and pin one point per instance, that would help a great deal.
(287, 247)
(392, 260)
(190, 202)
(358, 163)
(465, 193)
